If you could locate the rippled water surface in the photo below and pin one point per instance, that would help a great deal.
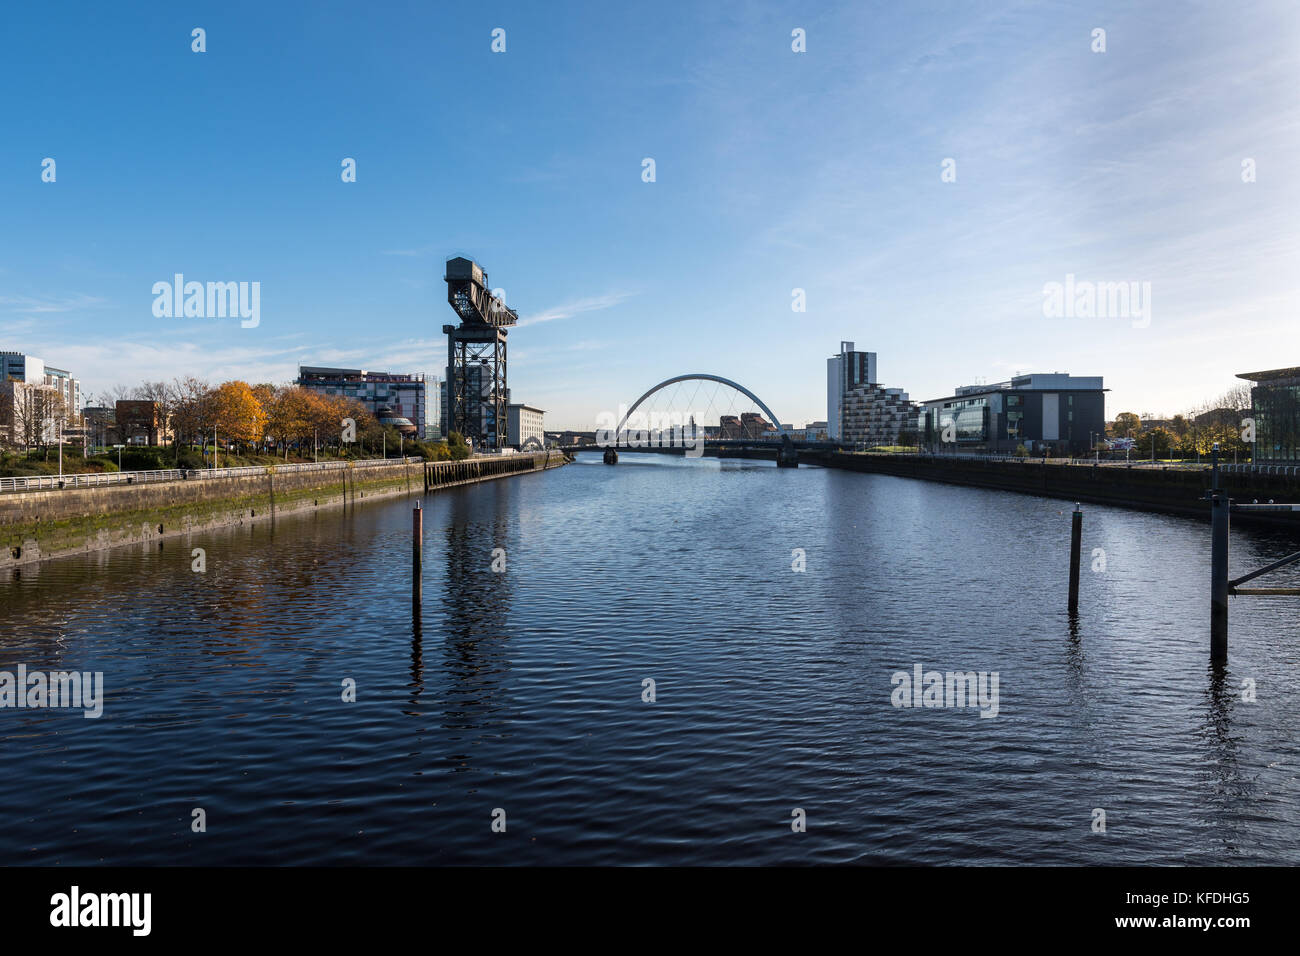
(523, 690)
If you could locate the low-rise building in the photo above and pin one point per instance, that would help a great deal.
(101, 424)
(522, 423)
(1059, 412)
(140, 422)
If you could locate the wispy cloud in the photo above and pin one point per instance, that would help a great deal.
(569, 309)
(49, 303)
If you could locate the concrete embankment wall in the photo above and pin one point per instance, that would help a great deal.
(1168, 490)
(35, 525)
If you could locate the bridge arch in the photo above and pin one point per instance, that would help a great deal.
(696, 376)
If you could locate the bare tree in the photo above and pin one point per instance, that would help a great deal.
(37, 411)
(192, 409)
(111, 396)
(164, 398)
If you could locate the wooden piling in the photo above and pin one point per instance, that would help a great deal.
(1219, 512)
(417, 551)
(1076, 542)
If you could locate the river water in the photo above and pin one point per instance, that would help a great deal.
(518, 694)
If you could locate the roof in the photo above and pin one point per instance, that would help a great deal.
(1271, 375)
(1008, 389)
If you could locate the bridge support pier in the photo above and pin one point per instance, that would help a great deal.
(611, 456)
(787, 456)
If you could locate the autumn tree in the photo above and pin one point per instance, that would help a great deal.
(291, 416)
(237, 414)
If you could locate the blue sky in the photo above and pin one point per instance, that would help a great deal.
(775, 170)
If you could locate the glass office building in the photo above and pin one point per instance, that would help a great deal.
(1055, 411)
(1275, 407)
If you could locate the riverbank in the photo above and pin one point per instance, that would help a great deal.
(1170, 490)
(53, 522)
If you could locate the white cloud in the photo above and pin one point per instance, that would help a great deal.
(576, 307)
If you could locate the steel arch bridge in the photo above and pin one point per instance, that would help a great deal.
(701, 377)
(769, 446)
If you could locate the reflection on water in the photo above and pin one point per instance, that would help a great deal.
(521, 689)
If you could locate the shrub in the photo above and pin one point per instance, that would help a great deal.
(457, 446)
(143, 459)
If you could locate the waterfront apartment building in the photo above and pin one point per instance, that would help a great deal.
(859, 410)
(1056, 412)
(844, 371)
(1275, 408)
(522, 423)
(396, 395)
(20, 367)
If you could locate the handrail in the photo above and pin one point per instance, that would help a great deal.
(55, 482)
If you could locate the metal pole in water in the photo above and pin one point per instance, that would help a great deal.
(417, 547)
(1076, 540)
(1219, 528)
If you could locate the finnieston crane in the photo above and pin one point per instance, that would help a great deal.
(476, 356)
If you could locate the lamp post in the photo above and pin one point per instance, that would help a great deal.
(60, 449)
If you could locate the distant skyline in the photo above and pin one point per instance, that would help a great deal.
(775, 170)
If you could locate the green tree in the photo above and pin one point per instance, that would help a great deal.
(457, 446)
(1126, 425)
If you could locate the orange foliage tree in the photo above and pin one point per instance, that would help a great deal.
(237, 413)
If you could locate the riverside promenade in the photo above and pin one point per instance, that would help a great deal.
(1168, 489)
(49, 517)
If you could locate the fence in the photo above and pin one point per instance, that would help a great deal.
(48, 482)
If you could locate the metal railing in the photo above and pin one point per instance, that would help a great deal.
(56, 482)
(1286, 471)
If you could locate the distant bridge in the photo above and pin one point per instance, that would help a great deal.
(676, 441)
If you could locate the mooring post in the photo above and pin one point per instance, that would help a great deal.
(1076, 541)
(1219, 513)
(417, 547)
